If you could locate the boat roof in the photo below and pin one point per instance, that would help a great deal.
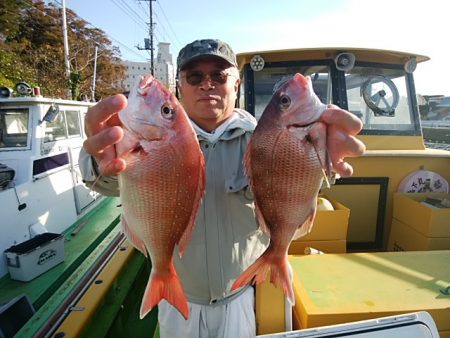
(329, 53)
(34, 100)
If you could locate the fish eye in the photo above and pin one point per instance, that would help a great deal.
(167, 111)
(285, 101)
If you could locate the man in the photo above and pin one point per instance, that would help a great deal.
(226, 238)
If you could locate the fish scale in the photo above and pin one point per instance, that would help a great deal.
(284, 162)
(161, 187)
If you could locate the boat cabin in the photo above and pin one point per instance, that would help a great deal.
(375, 85)
(41, 189)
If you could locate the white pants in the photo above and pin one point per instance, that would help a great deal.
(230, 320)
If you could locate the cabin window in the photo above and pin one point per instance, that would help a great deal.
(269, 79)
(73, 123)
(66, 125)
(379, 97)
(14, 128)
(56, 130)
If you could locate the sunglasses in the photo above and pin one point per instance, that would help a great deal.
(194, 78)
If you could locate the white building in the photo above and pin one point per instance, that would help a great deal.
(163, 68)
(134, 69)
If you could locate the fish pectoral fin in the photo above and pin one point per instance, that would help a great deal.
(317, 137)
(132, 237)
(306, 227)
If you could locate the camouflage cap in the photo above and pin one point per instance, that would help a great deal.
(205, 47)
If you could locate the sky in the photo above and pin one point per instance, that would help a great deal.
(420, 27)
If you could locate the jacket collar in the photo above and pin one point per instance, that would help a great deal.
(238, 124)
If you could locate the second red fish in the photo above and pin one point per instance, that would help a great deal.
(285, 162)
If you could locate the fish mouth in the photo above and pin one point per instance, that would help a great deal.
(144, 84)
(299, 125)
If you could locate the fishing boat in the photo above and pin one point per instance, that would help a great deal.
(383, 249)
(41, 189)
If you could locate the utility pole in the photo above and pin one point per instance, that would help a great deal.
(148, 43)
(66, 43)
(95, 75)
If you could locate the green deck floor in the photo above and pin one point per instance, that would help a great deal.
(99, 229)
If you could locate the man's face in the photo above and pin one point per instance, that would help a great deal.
(209, 102)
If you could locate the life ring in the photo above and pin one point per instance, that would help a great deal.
(423, 181)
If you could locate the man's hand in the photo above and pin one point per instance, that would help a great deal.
(341, 140)
(103, 131)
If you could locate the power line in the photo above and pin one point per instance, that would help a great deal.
(108, 35)
(125, 8)
(179, 44)
(137, 14)
(160, 28)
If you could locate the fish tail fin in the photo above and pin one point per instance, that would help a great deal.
(164, 286)
(257, 272)
(281, 275)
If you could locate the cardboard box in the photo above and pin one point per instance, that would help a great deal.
(269, 308)
(405, 238)
(329, 232)
(444, 334)
(33, 257)
(426, 219)
(329, 224)
(340, 288)
(337, 246)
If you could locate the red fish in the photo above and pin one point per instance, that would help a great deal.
(285, 162)
(161, 187)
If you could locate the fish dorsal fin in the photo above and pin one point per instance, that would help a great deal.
(184, 240)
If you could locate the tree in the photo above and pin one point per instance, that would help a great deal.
(32, 50)
(12, 68)
(9, 18)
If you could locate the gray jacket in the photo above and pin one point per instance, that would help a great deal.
(226, 238)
